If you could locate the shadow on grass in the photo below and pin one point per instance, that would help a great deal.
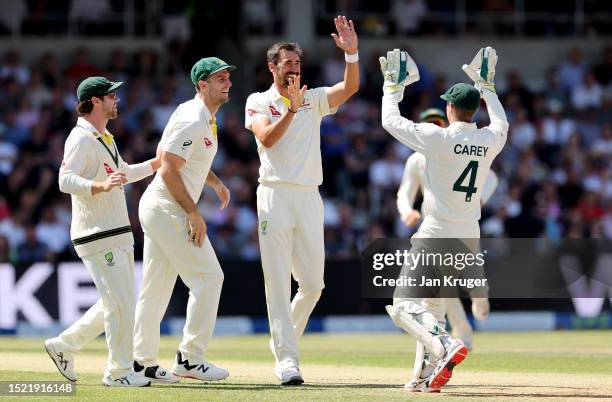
(513, 391)
(266, 387)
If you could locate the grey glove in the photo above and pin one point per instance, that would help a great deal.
(399, 70)
(482, 69)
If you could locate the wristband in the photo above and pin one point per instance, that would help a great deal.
(292, 111)
(351, 58)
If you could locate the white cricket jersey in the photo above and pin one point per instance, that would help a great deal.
(100, 221)
(190, 135)
(296, 157)
(414, 178)
(458, 157)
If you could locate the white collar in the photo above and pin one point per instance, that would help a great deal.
(203, 106)
(462, 124)
(83, 123)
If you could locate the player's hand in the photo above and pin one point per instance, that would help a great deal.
(398, 70)
(197, 228)
(223, 193)
(480, 308)
(346, 39)
(115, 179)
(482, 69)
(296, 95)
(411, 218)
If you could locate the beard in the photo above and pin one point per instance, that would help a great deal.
(112, 114)
(286, 79)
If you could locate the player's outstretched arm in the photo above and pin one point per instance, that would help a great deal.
(345, 39)
(482, 70)
(139, 171)
(399, 70)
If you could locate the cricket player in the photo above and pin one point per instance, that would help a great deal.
(286, 122)
(414, 179)
(94, 173)
(175, 240)
(458, 159)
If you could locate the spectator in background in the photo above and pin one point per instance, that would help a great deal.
(12, 68)
(81, 67)
(587, 94)
(572, 71)
(556, 127)
(32, 250)
(522, 132)
(603, 70)
(517, 87)
(408, 15)
(5, 250)
(53, 234)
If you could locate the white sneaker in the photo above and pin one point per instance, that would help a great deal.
(204, 371)
(131, 379)
(155, 374)
(64, 361)
(420, 385)
(289, 376)
(455, 353)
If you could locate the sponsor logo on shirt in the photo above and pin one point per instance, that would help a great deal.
(108, 169)
(274, 111)
(187, 143)
(251, 112)
(207, 142)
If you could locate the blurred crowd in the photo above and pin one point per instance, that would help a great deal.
(555, 177)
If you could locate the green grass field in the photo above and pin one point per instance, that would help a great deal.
(561, 365)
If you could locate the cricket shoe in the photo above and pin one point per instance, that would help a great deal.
(204, 371)
(64, 361)
(288, 376)
(155, 374)
(420, 385)
(131, 379)
(455, 353)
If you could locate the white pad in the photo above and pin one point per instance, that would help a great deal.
(408, 323)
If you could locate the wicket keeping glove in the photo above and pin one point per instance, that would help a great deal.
(482, 69)
(399, 70)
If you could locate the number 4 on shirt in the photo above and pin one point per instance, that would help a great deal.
(471, 169)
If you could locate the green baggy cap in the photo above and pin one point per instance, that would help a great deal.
(96, 86)
(206, 67)
(432, 112)
(462, 95)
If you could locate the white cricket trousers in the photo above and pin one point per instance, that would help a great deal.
(168, 253)
(112, 314)
(431, 227)
(291, 242)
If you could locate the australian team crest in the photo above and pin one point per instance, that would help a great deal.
(264, 227)
(109, 259)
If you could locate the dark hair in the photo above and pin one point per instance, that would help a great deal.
(274, 50)
(464, 114)
(84, 107)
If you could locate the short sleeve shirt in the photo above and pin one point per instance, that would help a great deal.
(190, 135)
(296, 157)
